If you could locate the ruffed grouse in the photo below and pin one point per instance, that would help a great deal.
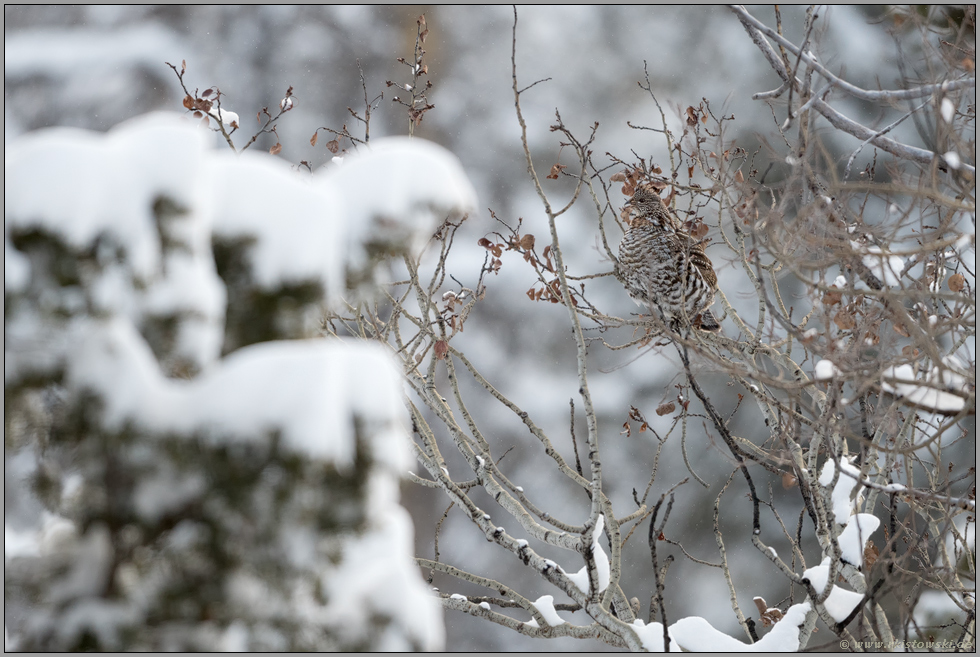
(662, 266)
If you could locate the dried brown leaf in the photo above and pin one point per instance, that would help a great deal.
(664, 409)
(555, 170)
(188, 102)
(870, 555)
(845, 320)
(771, 617)
(333, 146)
(527, 242)
(316, 135)
(692, 116)
(275, 150)
(956, 282)
(441, 349)
(832, 297)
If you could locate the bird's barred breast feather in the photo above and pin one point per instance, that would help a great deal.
(662, 266)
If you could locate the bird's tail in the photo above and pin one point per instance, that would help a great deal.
(708, 322)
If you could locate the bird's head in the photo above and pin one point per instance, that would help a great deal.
(646, 205)
(646, 195)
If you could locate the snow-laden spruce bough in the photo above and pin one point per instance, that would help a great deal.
(211, 478)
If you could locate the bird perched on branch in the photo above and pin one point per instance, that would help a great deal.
(663, 267)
